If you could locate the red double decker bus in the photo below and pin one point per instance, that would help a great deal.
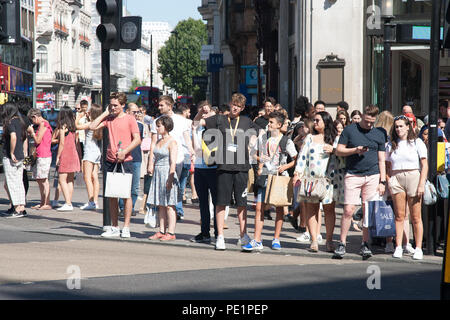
(16, 72)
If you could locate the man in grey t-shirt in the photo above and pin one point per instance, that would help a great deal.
(364, 148)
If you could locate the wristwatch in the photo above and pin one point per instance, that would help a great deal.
(383, 182)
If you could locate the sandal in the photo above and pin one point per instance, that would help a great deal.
(36, 207)
(314, 246)
(156, 236)
(46, 207)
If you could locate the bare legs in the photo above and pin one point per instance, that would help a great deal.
(90, 174)
(66, 183)
(167, 219)
(414, 204)
(44, 189)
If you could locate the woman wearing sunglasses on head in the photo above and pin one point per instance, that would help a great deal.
(407, 170)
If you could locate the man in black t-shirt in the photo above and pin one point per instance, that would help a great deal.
(269, 107)
(364, 148)
(232, 135)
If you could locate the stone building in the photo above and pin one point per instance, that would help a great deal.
(63, 42)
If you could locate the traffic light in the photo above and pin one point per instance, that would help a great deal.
(130, 33)
(108, 31)
(9, 21)
(446, 40)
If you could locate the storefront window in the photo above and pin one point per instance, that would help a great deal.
(412, 9)
(411, 83)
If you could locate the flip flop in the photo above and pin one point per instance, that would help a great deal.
(36, 207)
(46, 207)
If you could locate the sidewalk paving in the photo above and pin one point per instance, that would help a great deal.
(88, 224)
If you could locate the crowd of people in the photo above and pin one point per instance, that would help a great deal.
(361, 154)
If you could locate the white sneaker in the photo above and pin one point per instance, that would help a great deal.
(389, 248)
(319, 238)
(111, 232)
(65, 207)
(418, 254)
(106, 228)
(398, 253)
(125, 232)
(89, 206)
(304, 238)
(408, 249)
(245, 240)
(220, 243)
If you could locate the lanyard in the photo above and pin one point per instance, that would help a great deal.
(233, 134)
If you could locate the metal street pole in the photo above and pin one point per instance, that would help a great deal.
(151, 63)
(106, 92)
(176, 60)
(433, 116)
(187, 70)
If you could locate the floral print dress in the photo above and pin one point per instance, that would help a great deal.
(313, 163)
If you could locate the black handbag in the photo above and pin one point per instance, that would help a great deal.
(260, 181)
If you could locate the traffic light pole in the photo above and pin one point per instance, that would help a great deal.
(106, 92)
(433, 115)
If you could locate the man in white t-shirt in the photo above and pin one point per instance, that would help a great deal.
(180, 132)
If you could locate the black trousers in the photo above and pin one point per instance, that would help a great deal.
(206, 180)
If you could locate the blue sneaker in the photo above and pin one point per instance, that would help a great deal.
(253, 245)
(276, 244)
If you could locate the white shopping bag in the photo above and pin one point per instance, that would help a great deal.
(118, 184)
(150, 217)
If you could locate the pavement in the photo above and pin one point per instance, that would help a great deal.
(88, 225)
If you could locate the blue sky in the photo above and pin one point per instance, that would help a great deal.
(171, 11)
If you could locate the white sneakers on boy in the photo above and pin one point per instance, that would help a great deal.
(111, 232)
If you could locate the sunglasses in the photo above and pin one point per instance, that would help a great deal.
(402, 117)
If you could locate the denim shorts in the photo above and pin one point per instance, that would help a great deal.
(261, 193)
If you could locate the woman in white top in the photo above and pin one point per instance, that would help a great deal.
(407, 168)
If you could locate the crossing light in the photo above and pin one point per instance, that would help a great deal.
(9, 21)
(446, 40)
(108, 31)
(130, 33)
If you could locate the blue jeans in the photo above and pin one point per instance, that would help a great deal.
(183, 181)
(135, 185)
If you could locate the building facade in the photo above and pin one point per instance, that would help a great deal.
(63, 56)
(157, 34)
(16, 61)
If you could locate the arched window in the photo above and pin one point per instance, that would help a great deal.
(42, 59)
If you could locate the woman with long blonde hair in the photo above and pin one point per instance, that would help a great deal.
(92, 155)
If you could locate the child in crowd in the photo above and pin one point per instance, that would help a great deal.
(164, 188)
(271, 161)
(67, 159)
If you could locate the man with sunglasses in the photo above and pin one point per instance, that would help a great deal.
(364, 148)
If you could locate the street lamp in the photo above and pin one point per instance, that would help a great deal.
(176, 59)
(187, 69)
(387, 13)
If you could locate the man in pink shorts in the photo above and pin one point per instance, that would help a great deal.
(364, 148)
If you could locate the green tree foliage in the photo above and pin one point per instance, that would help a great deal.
(191, 35)
(136, 83)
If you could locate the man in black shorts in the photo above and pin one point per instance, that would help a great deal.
(232, 158)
